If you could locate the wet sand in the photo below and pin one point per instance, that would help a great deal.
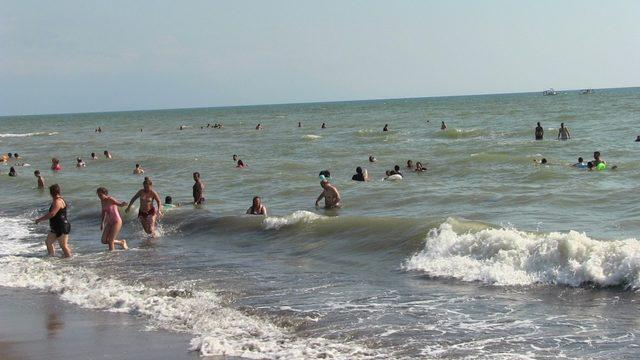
(36, 325)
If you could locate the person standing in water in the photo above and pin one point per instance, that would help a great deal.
(563, 133)
(539, 132)
(138, 170)
(147, 214)
(111, 222)
(107, 154)
(257, 208)
(59, 226)
(443, 126)
(55, 164)
(198, 189)
(330, 194)
(40, 179)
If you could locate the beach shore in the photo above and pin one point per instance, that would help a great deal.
(37, 325)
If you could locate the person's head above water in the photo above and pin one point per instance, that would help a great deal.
(358, 170)
(257, 201)
(325, 175)
(15, 155)
(590, 165)
(36, 173)
(580, 160)
(137, 166)
(372, 158)
(102, 192)
(538, 123)
(240, 163)
(596, 155)
(93, 155)
(79, 160)
(561, 125)
(396, 168)
(106, 152)
(196, 176)
(409, 163)
(147, 184)
(235, 157)
(54, 190)
(168, 200)
(543, 161)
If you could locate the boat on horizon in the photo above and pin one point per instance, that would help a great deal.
(551, 91)
(586, 91)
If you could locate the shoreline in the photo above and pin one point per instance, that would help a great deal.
(38, 325)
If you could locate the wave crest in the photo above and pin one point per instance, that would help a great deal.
(29, 134)
(512, 257)
(297, 217)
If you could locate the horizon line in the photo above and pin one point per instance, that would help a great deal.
(301, 103)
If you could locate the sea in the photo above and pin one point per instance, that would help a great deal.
(486, 255)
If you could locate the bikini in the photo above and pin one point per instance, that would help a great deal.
(145, 214)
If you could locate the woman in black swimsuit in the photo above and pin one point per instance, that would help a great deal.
(257, 208)
(58, 223)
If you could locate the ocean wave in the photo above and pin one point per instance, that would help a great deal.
(311, 137)
(217, 329)
(45, 133)
(297, 217)
(512, 257)
(452, 133)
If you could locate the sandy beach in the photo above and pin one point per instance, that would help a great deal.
(40, 326)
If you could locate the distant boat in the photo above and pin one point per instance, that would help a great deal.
(586, 91)
(549, 92)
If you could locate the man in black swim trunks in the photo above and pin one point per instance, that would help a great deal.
(198, 189)
(539, 132)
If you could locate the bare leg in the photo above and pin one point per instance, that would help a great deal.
(152, 225)
(145, 224)
(114, 230)
(62, 240)
(51, 239)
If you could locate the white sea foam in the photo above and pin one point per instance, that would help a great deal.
(297, 217)
(29, 134)
(312, 137)
(512, 257)
(217, 329)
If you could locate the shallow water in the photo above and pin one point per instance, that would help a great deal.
(483, 255)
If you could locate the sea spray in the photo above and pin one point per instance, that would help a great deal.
(513, 257)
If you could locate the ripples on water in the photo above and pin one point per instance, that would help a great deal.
(483, 255)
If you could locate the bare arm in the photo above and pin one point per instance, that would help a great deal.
(264, 211)
(156, 197)
(133, 199)
(57, 205)
(320, 198)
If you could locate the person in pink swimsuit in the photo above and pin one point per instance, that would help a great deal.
(111, 222)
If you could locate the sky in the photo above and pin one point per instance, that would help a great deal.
(85, 56)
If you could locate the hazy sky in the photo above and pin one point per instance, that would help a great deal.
(76, 56)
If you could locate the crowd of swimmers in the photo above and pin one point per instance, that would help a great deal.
(150, 206)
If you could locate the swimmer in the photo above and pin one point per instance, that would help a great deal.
(539, 132)
(10, 155)
(330, 194)
(597, 159)
(99, 129)
(181, 127)
(443, 126)
(16, 156)
(590, 166)
(259, 127)
(396, 170)
(360, 175)
(563, 133)
(391, 175)
(59, 226)
(541, 162)
(198, 189)
(138, 170)
(324, 126)
(638, 138)
(147, 213)
(93, 156)
(168, 203)
(324, 175)
(111, 222)
(257, 208)
(372, 158)
(300, 125)
(419, 167)
(410, 164)
(55, 164)
(235, 158)
(40, 179)
(386, 127)
(12, 172)
(580, 164)
(107, 154)
(240, 164)
(80, 163)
